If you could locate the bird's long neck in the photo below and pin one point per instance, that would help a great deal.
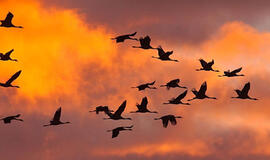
(211, 97)
(18, 26)
(252, 98)
(15, 86)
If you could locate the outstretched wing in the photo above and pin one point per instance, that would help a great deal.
(175, 81)
(211, 63)
(173, 120)
(165, 122)
(194, 91)
(121, 109)
(161, 52)
(182, 95)
(147, 40)
(203, 63)
(246, 88)
(168, 53)
(152, 83)
(203, 88)
(236, 70)
(115, 133)
(9, 17)
(17, 116)
(15, 76)
(144, 103)
(133, 34)
(9, 52)
(57, 115)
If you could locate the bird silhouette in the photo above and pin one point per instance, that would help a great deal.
(207, 66)
(232, 73)
(117, 115)
(164, 56)
(8, 21)
(6, 56)
(146, 85)
(56, 119)
(167, 118)
(8, 83)
(145, 43)
(178, 99)
(243, 94)
(142, 108)
(201, 94)
(173, 84)
(122, 38)
(10, 118)
(101, 109)
(116, 131)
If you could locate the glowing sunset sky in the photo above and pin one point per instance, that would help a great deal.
(68, 59)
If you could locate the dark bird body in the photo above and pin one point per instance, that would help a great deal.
(117, 115)
(142, 108)
(201, 93)
(243, 94)
(178, 99)
(116, 131)
(173, 84)
(6, 56)
(101, 109)
(164, 56)
(56, 119)
(10, 118)
(206, 66)
(122, 38)
(146, 85)
(8, 83)
(232, 73)
(145, 43)
(168, 118)
(7, 22)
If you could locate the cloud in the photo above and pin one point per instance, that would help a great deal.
(70, 62)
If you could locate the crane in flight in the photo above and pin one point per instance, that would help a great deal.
(6, 56)
(178, 99)
(117, 114)
(116, 131)
(101, 109)
(243, 94)
(201, 93)
(10, 118)
(7, 22)
(232, 73)
(173, 84)
(164, 56)
(142, 108)
(8, 82)
(146, 85)
(168, 118)
(122, 38)
(145, 43)
(56, 119)
(207, 66)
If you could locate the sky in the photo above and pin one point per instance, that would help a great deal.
(68, 59)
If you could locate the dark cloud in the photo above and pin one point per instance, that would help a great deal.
(174, 21)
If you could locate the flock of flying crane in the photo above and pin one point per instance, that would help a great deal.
(142, 108)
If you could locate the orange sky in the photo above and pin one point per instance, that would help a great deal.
(66, 60)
